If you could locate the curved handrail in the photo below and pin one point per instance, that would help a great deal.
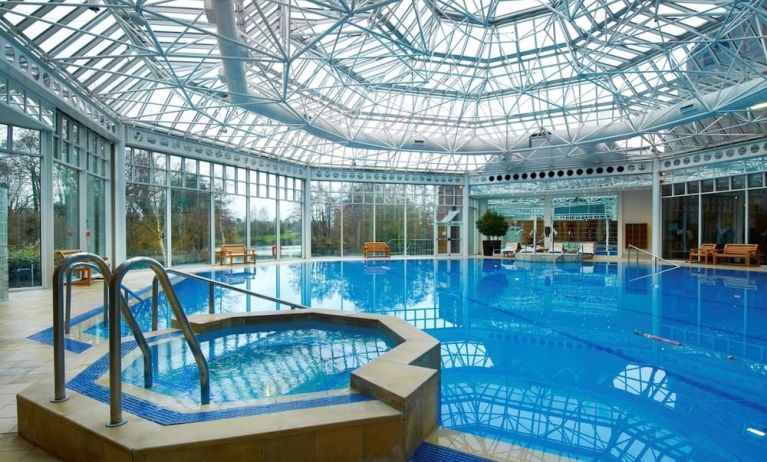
(61, 322)
(115, 344)
(72, 267)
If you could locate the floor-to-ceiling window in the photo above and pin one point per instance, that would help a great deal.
(327, 209)
(230, 202)
(680, 226)
(345, 215)
(80, 177)
(757, 212)
(525, 217)
(587, 219)
(145, 198)
(420, 220)
(719, 204)
(208, 204)
(20, 168)
(263, 227)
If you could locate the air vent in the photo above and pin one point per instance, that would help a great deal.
(419, 141)
(687, 108)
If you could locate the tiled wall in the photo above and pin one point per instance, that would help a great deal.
(3, 242)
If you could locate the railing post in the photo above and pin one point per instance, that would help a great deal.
(155, 302)
(59, 385)
(211, 298)
(115, 355)
(68, 315)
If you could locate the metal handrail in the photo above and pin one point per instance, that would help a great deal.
(655, 260)
(72, 267)
(654, 257)
(60, 324)
(115, 344)
(212, 283)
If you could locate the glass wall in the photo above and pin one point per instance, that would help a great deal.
(720, 210)
(81, 170)
(525, 217)
(345, 215)
(235, 196)
(263, 227)
(20, 166)
(587, 219)
(189, 220)
(290, 229)
(723, 216)
(66, 207)
(680, 226)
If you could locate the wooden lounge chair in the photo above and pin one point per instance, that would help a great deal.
(738, 253)
(84, 273)
(235, 250)
(704, 251)
(510, 249)
(376, 248)
(587, 251)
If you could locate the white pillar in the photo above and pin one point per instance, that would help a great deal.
(466, 225)
(118, 200)
(46, 208)
(307, 221)
(548, 221)
(621, 225)
(655, 248)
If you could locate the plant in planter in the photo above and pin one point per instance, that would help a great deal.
(492, 225)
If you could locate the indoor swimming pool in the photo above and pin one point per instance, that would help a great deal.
(602, 361)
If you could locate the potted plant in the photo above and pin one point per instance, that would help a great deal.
(493, 226)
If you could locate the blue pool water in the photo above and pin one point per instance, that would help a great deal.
(263, 361)
(596, 362)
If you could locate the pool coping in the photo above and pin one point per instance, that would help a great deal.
(403, 409)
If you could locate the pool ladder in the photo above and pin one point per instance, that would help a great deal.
(116, 305)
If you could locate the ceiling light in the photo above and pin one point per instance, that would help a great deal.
(759, 106)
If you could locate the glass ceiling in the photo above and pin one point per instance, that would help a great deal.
(428, 85)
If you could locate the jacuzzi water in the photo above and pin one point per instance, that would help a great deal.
(263, 361)
(595, 362)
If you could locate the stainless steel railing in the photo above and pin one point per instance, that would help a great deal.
(212, 284)
(115, 345)
(61, 319)
(655, 260)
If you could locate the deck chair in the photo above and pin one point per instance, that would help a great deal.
(557, 247)
(705, 251)
(587, 250)
(510, 250)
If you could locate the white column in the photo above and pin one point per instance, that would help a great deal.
(655, 248)
(548, 221)
(117, 199)
(307, 221)
(621, 225)
(466, 224)
(46, 208)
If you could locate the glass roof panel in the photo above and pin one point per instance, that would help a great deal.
(361, 81)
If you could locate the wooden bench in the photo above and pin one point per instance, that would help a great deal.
(235, 250)
(84, 273)
(705, 251)
(743, 252)
(376, 248)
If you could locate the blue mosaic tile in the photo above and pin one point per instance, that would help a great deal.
(46, 337)
(428, 452)
(85, 383)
